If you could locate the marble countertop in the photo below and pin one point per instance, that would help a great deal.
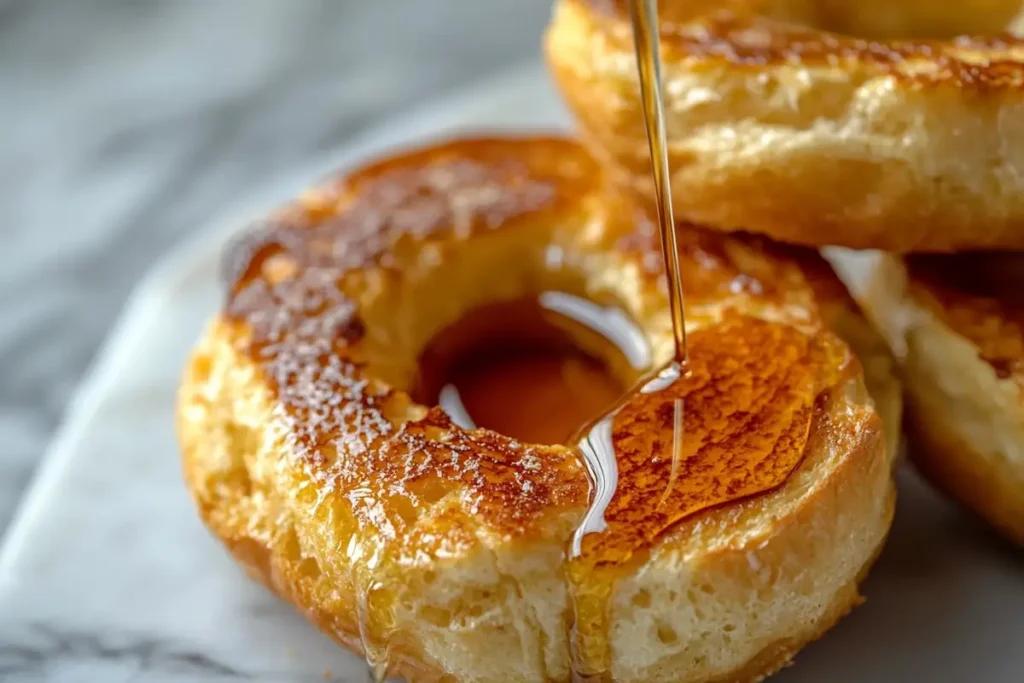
(127, 126)
(130, 129)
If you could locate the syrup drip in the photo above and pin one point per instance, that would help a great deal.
(375, 653)
(373, 675)
(592, 575)
(596, 560)
(376, 657)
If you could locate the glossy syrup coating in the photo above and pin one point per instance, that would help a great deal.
(517, 368)
(746, 405)
(749, 394)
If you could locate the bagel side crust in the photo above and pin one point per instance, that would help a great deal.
(957, 324)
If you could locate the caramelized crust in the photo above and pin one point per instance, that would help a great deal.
(306, 331)
(780, 124)
(432, 547)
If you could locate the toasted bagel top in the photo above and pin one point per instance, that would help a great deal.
(334, 297)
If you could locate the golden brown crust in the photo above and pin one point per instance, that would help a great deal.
(397, 531)
(779, 127)
(309, 333)
(955, 322)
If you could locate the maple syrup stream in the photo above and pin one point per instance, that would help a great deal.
(594, 566)
(644, 16)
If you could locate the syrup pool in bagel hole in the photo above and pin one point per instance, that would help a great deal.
(535, 368)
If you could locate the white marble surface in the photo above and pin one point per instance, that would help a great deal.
(109, 576)
(126, 126)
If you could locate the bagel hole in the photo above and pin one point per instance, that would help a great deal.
(536, 369)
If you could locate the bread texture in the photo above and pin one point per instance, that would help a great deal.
(815, 122)
(440, 552)
(956, 324)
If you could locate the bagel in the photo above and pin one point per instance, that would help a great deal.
(956, 323)
(781, 123)
(442, 550)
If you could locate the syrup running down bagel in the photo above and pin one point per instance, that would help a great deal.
(956, 324)
(440, 551)
(779, 124)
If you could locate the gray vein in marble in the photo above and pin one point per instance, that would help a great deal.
(43, 648)
(45, 653)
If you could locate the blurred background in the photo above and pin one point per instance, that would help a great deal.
(126, 125)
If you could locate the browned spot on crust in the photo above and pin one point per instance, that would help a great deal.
(980, 297)
(361, 221)
(973, 63)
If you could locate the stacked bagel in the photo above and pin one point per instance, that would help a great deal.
(833, 124)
